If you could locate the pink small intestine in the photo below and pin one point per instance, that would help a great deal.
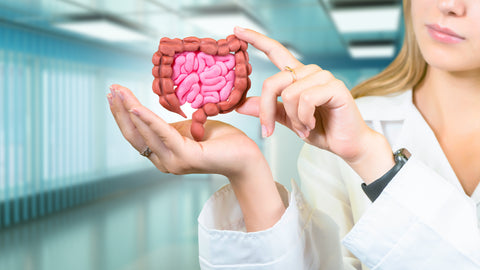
(201, 78)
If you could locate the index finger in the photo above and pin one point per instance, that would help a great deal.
(150, 125)
(275, 51)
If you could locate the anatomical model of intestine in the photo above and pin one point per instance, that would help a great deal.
(210, 75)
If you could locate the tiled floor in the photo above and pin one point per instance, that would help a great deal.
(153, 227)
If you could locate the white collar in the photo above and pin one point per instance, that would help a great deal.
(385, 108)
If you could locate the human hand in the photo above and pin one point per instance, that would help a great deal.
(225, 150)
(173, 148)
(318, 107)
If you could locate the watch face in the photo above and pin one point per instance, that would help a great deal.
(401, 155)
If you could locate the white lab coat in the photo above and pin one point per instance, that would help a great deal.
(422, 220)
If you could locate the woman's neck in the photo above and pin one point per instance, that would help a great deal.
(450, 100)
(450, 103)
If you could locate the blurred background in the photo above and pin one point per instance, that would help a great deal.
(73, 193)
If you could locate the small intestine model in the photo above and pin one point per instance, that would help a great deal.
(210, 75)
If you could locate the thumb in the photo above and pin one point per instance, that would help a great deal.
(251, 107)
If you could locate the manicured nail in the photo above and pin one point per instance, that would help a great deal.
(300, 134)
(307, 133)
(135, 112)
(307, 130)
(110, 99)
(239, 29)
(264, 131)
(120, 95)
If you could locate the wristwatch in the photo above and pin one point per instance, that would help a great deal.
(374, 189)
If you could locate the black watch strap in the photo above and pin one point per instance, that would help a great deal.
(374, 189)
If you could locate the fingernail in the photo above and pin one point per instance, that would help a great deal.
(112, 91)
(120, 95)
(239, 29)
(264, 131)
(300, 134)
(109, 98)
(135, 112)
(307, 130)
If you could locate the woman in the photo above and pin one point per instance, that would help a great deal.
(425, 211)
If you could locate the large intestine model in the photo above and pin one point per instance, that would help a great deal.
(211, 75)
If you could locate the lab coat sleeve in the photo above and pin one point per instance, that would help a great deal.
(323, 183)
(420, 221)
(302, 239)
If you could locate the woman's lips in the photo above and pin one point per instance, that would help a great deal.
(443, 34)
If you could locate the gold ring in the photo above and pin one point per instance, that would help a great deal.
(294, 75)
(147, 152)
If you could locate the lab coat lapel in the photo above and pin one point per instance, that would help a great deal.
(417, 136)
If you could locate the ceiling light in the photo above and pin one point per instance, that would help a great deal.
(367, 19)
(362, 3)
(219, 21)
(371, 49)
(104, 29)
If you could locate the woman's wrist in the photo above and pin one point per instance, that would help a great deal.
(375, 159)
(257, 195)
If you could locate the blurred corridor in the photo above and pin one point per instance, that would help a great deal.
(149, 227)
(73, 193)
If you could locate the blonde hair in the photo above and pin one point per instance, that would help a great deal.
(405, 72)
